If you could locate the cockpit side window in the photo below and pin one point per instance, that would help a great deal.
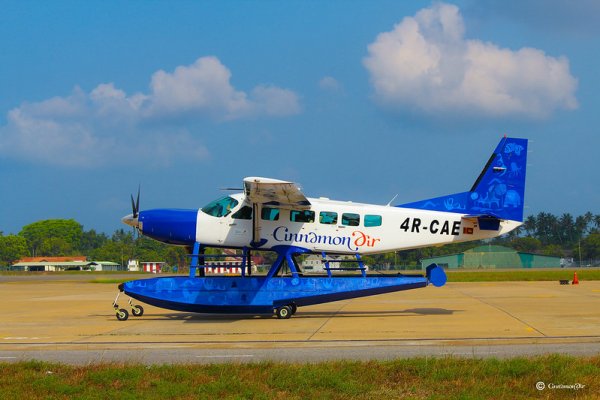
(243, 213)
(221, 207)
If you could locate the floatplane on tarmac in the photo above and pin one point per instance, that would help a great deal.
(276, 216)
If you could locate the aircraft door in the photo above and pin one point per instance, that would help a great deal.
(237, 227)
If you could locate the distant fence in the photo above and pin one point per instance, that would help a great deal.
(395, 267)
(583, 264)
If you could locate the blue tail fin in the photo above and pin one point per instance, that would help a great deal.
(498, 192)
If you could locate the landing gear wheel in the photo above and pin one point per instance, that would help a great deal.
(137, 311)
(294, 308)
(284, 312)
(122, 314)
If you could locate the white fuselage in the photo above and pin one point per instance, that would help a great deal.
(398, 229)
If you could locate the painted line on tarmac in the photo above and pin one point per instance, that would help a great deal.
(529, 326)
(25, 338)
(413, 341)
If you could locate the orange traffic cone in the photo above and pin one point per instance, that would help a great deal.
(575, 280)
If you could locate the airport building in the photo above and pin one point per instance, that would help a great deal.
(314, 264)
(74, 263)
(489, 256)
(155, 267)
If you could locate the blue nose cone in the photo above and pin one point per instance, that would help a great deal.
(169, 225)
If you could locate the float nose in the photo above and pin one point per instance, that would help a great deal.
(130, 220)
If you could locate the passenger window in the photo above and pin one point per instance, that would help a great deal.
(372, 220)
(270, 214)
(243, 213)
(350, 219)
(328, 217)
(221, 207)
(302, 216)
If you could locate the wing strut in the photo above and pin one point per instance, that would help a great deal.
(256, 239)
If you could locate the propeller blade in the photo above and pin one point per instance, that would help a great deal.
(133, 208)
(137, 203)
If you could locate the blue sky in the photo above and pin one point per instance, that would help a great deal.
(354, 100)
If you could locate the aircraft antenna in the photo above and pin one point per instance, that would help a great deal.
(394, 198)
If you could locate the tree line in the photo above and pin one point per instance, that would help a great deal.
(66, 237)
(545, 233)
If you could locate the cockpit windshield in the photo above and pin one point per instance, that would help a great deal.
(221, 207)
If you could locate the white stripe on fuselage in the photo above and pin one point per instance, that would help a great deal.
(401, 229)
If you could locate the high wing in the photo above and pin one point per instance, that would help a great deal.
(276, 193)
(271, 192)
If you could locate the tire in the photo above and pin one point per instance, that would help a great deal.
(122, 314)
(137, 311)
(284, 312)
(294, 308)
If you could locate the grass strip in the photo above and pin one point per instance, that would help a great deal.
(414, 378)
(59, 273)
(474, 276)
(522, 275)
(584, 274)
(100, 280)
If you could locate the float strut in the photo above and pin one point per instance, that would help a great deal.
(194, 261)
(115, 305)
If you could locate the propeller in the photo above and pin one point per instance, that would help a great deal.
(135, 206)
(132, 219)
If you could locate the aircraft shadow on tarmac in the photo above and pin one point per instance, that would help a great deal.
(228, 318)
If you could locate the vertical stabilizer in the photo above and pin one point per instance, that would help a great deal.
(498, 192)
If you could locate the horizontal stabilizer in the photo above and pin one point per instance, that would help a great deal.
(485, 222)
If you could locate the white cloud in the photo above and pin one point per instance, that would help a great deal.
(330, 84)
(107, 125)
(426, 64)
(203, 87)
(271, 100)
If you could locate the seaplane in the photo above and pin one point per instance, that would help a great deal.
(275, 215)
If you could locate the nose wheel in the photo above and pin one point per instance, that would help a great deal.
(122, 314)
(137, 310)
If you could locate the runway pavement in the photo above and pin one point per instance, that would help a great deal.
(71, 320)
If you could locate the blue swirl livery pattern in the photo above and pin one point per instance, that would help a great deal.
(498, 192)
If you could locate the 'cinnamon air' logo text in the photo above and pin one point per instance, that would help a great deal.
(353, 242)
